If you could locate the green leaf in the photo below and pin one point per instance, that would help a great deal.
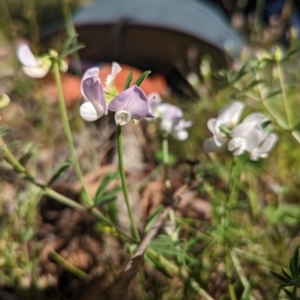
(266, 123)
(281, 278)
(107, 197)
(288, 293)
(73, 49)
(294, 262)
(297, 127)
(286, 274)
(60, 169)
(29, 149)
(142, 78)
(128, 80)
(103, 186)
(69, 41)
(3, 130)
(153, 218)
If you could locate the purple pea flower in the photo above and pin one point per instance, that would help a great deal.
(131, 104)
(92, 90)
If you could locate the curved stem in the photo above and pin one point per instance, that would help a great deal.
(68, 133)
(124, 186)
(281, 80)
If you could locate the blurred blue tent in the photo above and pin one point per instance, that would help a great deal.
(158, 35)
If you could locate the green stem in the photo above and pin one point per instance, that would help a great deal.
(19, 168)
(231, 186)
(281, 80)
(237, 264)
(67, 266)
(71, 31)
(179, 271)
(165, 146)
(68, 133)
(124, 186)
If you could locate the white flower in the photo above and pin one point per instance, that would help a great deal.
(32, 66)
(228, 117)
(171, 119)
(251, 136)
(245, 137)
(262, 151)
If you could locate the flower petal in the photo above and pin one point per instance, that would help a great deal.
(180, 135)
(230, 114)
(26, 57)
(209, 145)
(92, 89)
(115, 69)
(36, 72)
(132, 100)
(166, 125)
(171, 112)
(257, 118)
(182, 124)
(122, 117)
(90, 111)
(211, 125)
(263, 151)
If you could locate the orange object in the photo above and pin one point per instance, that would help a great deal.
(71, 83)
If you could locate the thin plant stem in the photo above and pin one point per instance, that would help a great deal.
(67, 266)
(165, 146)
(181, 272)
(237, 264)
(231, 186)
(71, 32)
(47, 191)
(68, 133)
(124, 186)
(281, 80)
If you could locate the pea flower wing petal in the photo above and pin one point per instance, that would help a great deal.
(132, 100)
(92, 89)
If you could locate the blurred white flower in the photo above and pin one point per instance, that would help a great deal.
(228, 117)
(171, 117)
(262, 151)
(245, 137)
(32, 66)
(252, 135)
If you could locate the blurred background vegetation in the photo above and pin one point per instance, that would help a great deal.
(50, 251)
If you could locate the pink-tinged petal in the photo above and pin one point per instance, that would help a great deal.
(133, 100)
(154, 97)
(209, 145)
(90, 111)
(168, 111)
(36, 72)
(115, 69)
(182, 124)
(230, 114)
(92, 89)
(26, 57)
(153, 100)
